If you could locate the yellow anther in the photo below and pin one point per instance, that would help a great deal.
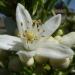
(30, 36)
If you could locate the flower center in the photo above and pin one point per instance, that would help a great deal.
(30, 36)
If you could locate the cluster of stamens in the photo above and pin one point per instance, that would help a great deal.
(30, 36)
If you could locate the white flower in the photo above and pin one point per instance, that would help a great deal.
(34, 40)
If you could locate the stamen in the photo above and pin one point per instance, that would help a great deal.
(30, 36)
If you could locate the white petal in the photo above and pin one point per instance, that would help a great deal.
(23, 18)
(51, 52)
(26, 54)
(69, 39)
(49, 49)
(54, 53)
(51, 25)
(54, 50)
(8, 42)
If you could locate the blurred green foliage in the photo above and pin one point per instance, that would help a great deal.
(39, 9)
